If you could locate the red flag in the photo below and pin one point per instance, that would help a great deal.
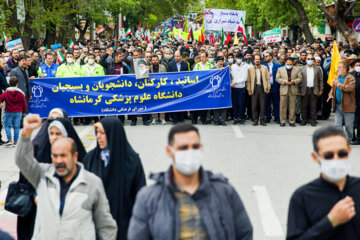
(212, 39)
(191, 36)
(202, 38)
(228, 39)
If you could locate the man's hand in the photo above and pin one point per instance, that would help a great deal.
(335, 82)
(330, 97)
(320, 93)
(32, 77)
(30, 97)
(36, 200)
(42, 75)
(343, 211)
(233, 84)
(250, 93)
(1, 105)
(31, 122)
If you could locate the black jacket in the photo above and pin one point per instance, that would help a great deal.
(173, 68)
(3, 82)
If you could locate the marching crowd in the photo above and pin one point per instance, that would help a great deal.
(283, 82)
(102, 194)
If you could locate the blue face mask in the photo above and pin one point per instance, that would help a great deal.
(129, 57)
(288, 67)
(238, 61)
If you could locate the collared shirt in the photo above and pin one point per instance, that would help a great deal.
(239, 74)
(338, 90)
(191, 224)
(270, 64)
(178, 65)
(310, 205)
(310, 76)
(289, 74)
(64, 188)
(258, 76)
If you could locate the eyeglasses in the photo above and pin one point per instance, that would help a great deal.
(340, 154)
(310, 58)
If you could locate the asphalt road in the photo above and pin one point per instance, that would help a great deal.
(264, 164)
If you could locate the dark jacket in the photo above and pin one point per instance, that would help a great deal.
(23, 78)
(11, 63)
(173, 68)
(3, 82)
(275, 87)
(221, 209)
(357, 88)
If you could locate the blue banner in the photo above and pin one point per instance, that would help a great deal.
(124, 94)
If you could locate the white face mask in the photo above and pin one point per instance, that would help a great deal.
(336, 169)
(69, 60)
(310, 62)
(357, 69)
(91, 61)
(230, 60)
(159, 56)
(188, 162)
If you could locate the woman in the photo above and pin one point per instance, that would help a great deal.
(55, 129)
(120, 169)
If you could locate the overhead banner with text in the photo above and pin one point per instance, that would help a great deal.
(218, 19)
(124, 94)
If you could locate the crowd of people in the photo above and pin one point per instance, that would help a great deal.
(283, 82)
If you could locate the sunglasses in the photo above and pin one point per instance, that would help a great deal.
(310, 59)
(340, 154)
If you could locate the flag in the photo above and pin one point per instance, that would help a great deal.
(202, 38)
(168, 30)
(335, 60)
(222, 37)
(212, 38)
(60, 57)
(147, 34)
(236, 40)
(228, 39)
(71, 45)
(46, 47)
(128, 32)
(6, 40)
(191, 36)
(186, 25)
(242, 29)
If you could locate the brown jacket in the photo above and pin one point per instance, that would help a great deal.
(250, 83)
(348, 100)
(318, 81)
(282, 77)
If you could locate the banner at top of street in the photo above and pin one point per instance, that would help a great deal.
(217, 19)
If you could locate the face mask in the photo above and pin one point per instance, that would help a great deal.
(69, 60)
(168, 56)
(211, 60)
(310, 62)
(288, 67)
(230, 60)
(335, 170)
(188, 161)
(159, 56)
(6, 59)
(238, 61)
(91, 61)
(357, 69)
(248, 60)
(128, 57)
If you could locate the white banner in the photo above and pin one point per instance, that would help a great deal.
(229, 20)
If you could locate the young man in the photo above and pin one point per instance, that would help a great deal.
(326, 207)
(72, 202)
(187, 201)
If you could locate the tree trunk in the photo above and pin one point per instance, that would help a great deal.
(304, 20)
(83, 30)
(12, 23)
(26, 39)
(341, 25)
(50, 36)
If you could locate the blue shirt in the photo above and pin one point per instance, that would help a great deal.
(49, 71)
(338, 90)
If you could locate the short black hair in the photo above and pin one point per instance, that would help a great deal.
(21, 58)
(184, 55)
(239, 55)
(289, 59)
(324, 132)
(13, 81)
(357, 60)
(48, 54)
(181, 128)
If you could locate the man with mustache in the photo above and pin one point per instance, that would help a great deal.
(85, 214)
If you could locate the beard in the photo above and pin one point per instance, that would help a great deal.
(66, 170)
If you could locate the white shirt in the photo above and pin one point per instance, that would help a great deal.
(239, 74)
(92, 68)
(310, 76)
(270, 64)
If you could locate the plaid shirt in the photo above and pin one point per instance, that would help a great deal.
(191, 224)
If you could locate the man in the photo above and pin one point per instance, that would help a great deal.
(49, 68)
(92, 68)
(201, 66)
(85, 214)
(326, 207)
(3, 87)
(220, 114)
(70, 68)
(273, 96)
(168, 57)
(311, 87)
(239, 75)
(28, 63)
(356, 75)
(178, 65)
(289, 78)
(303, 56)
(343, 99)
(282, 60)
(258, 85)
(187, 202)
(34, 65)
(22, 75)
(14, 60)
(351, 62)
(156, 67)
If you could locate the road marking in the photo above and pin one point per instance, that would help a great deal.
(237, 132)
(270, 221)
